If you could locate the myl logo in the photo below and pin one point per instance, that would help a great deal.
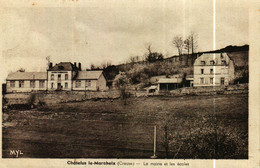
(16, 153)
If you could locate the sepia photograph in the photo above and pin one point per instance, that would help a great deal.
(126, 80)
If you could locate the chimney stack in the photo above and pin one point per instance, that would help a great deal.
(79, 66)
(50, 65)
(75, 64)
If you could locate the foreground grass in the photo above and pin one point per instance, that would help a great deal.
(188, 127)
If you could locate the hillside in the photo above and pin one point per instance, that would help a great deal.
(139, 73)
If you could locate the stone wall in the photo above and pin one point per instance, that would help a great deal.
(58, 97)
(76, 96)
(231, 89)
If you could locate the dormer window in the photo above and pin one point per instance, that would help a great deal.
(212, 62)
(223, 62)
(61, 67)
(202, 62)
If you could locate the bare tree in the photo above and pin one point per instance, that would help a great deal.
(187, 45)
(134, 59)
(48, 59)
(193, 38)
(153, 56)
(178, 43)
(105, 65)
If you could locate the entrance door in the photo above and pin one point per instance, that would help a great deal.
(222, 81)
(59, 87)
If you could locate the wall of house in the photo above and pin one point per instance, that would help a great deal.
(102, 83)
(219, 71)
(62, 80)
(84, 86)
(26, 88)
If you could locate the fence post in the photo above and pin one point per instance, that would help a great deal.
(154, 144)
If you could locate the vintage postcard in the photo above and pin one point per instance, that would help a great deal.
(130, 83)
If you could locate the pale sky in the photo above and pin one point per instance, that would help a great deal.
(112, 32)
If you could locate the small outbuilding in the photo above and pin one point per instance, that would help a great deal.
(152, 89)
(167, 84)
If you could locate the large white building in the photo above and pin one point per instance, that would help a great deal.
(213, 69)
(62, 76)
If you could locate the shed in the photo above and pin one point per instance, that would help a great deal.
(167, 84)
(151, 89)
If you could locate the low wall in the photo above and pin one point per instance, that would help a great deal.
(232, 89)
(72, 96)
(58, 97)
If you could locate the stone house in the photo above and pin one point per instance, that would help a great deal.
(213, 69)
(62, 76)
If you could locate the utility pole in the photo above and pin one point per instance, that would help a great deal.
(154, 144)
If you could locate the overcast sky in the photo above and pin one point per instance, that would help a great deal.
(112, 32)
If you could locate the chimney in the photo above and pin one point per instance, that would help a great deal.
(79, 66)
(75, 64)
(50, 65)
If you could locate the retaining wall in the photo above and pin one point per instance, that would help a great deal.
(58, 97)
(72, 96)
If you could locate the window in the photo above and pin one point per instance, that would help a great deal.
(32, 84)
(52, 76)
(41, 83)
(202, 62)
(221, 55)
(21, 84)
(88, 83)
(202, 71)
(66, 85)
(211, 71)
(66, 76)
(201, 80)
(223, 62)
(222, 81)
(59, 76)
(212, 62)
(211, 80)
(12, 83)
(78, 83)
(52, 85)
(61, 67)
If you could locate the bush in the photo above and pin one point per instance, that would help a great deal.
(31, 99)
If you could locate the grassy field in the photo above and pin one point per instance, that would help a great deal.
(187, 127)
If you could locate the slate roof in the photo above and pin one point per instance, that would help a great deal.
(27, 76)
(63, 66)
(216, 57)
(89, 74)
(152, 87)
(189, 76)
(170, 80)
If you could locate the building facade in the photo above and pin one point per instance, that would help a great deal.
(26, 81)
(63, 76)
(213, 69)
